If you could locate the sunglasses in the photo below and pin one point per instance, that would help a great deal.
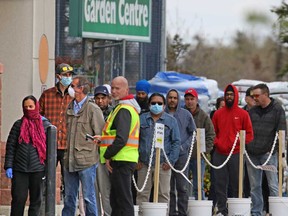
(255, 95)
(159, 103)
(64, 69)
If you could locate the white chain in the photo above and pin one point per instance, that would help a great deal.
(187, 162)
(149, 167)
(227, 159)
(269, 157)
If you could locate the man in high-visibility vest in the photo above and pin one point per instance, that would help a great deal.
(119, 146)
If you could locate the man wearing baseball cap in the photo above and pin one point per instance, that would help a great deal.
(53, 103)
(101, 97)
(202, 120)
(103, 186)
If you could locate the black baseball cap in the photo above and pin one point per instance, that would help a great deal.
(101, 90)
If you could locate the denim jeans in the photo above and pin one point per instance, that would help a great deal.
(87, 178)
(179, 189)
(193, 168)
(255, 177)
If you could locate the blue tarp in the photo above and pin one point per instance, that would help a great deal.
(163, 81)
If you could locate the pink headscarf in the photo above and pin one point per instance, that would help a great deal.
(32, 130)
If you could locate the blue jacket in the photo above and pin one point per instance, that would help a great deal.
(186, 125)
(171, 138)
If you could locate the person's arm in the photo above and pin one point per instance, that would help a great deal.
(121, 123)
(42, 104)
(175, 143)
(190, 130)
(11, 145)
(249, 129)
(209, 134)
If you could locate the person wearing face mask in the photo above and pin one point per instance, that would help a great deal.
(228, 121)
(172, 143)
(81, 158)
(25, 158)
(53, 104)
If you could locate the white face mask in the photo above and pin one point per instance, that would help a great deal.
(71, 92)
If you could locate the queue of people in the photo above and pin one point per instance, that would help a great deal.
(122, 140)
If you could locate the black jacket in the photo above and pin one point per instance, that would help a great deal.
(22, 157)
(266, 122)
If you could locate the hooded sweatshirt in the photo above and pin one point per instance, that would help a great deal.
(185, 122)
(227, 122)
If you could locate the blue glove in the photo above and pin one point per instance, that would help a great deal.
(9, 173)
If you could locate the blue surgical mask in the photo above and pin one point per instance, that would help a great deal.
(66, 81)
(156, 109)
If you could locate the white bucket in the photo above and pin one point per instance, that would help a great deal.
(154, 209)
(239, 206)
(136, 210)
(278, 206)
(199, 207)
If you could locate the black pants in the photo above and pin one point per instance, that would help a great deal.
(121, 198)
(227, 176)
(60, 159)
(21, 184)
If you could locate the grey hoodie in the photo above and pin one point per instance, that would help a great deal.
(185, 122)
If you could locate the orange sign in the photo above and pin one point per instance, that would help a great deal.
(43, 59)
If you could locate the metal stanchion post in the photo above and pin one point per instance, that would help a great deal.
(51, 172)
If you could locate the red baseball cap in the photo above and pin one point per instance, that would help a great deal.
(192, 92)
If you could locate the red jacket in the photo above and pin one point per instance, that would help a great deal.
(227, 122)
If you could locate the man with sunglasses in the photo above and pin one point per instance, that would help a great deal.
(179, 186)
(228, 121)
(268, 117)
(171, 145)
(53, 104)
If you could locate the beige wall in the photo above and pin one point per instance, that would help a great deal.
(22, 23)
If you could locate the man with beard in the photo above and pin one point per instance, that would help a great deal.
(142, 91)
(227, 122)
(178, 184)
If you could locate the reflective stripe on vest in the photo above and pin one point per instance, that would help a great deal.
(130, 151)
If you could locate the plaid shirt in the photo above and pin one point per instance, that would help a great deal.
(53, 106)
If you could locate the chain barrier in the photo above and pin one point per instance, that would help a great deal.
(151, 159)
(264, 166)
(149, 167)
(227, 159)
(187, 162)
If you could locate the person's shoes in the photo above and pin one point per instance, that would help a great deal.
(220, 214)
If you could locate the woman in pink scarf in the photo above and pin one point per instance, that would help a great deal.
(25, 158)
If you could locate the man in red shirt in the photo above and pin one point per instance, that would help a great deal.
(228, 121)
(53, 104)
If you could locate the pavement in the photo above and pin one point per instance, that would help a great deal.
(5, 210)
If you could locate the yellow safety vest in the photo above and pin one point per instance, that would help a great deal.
(130, 151)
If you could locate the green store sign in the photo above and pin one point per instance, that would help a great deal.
(111, 19)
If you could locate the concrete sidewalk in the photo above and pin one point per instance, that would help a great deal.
(5, 210)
